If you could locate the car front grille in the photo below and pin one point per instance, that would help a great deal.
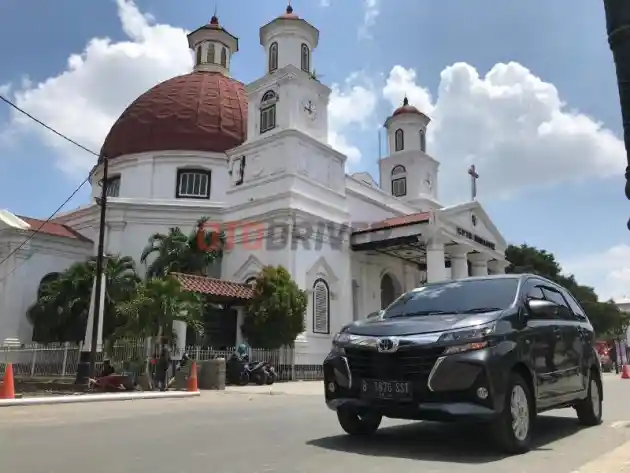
(409, 364)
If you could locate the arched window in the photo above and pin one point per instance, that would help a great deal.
(399, 181)
(399, 139)
(210, 54)
(224, 57)
(321, 307)
(423, 141)
(273, 57)
(306, 58)
(268, 111)
(198, 60)
(251, 282)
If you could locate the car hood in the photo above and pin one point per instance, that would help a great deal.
(418, 325)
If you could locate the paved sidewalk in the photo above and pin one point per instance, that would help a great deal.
(310, 388)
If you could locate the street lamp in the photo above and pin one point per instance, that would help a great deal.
(87, 360)
(618, 29)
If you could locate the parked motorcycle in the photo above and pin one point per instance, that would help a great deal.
(272, 376)
(258, 371)
(237, 370)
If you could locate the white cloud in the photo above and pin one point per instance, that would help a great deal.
(84, 100)
(511, 124)
(371, 11)
(607, 271)
(351, 104)
(324, 3)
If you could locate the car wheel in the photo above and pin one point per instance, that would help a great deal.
(513, 428)
(589, 410)
(355, 423)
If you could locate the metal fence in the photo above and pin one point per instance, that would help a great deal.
(59, 360)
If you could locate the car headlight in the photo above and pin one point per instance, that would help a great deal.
(340, 339)
(466, 339)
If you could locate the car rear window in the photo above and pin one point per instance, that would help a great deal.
(462, 296)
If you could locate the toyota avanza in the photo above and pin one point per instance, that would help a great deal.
(495, 349)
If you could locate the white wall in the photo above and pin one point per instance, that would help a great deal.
(22, 273)
(154, 175)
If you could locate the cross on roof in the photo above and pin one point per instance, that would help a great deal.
(472, 171)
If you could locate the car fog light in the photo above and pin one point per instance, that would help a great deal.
(482, 393)
(332, 387)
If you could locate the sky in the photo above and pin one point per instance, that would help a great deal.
(525, 90)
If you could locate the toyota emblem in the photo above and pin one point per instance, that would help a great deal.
(387, 345)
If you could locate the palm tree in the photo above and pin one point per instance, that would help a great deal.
(157, 303)
(61, 310)
(178, 252)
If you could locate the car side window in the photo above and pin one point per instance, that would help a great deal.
(533, 290)
(553, 295)
(535, 293)
(575, 307)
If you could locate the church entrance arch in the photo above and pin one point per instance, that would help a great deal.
(390, 290)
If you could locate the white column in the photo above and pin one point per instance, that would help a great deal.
(436, 269)
(179, 331)
(459, 262)
(498, 266)
(479, 264)
(87, 343)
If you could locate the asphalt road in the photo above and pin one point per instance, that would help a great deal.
(287, 433)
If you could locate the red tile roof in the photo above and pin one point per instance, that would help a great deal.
(403, 220)
(53, 228)
(214, 287)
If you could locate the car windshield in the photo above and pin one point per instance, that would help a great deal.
(455, 297)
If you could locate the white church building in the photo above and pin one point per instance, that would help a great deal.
(257, 156)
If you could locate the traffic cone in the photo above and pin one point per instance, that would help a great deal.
(625, 372)
(7, 390)
(192, 378)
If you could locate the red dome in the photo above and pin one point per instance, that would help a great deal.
(200, 111)
(406, 108)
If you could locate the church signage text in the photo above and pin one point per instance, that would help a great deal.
(476, 238)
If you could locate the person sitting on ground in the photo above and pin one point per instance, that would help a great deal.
(109, 381)
(108, 369)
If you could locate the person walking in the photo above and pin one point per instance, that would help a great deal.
(613, 356)
(163, 364)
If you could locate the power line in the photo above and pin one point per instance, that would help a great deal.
(38, 229)
(49, 128)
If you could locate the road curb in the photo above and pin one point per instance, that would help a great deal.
(83, 398)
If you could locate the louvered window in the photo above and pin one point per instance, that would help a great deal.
(321, 307)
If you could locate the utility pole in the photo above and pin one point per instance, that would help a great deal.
(82, 373)
(618, 29)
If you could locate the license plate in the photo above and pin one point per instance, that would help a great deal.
(393, 390)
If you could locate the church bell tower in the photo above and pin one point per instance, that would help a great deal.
(408, 172)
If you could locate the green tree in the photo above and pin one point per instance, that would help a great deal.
(606, 317)
(61, 310)
(275, 315)
(156, 304)
(177, 252)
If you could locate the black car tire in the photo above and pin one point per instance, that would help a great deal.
(503, 430)
(587, 412)
(355, 423)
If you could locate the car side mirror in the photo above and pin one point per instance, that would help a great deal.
(538, 307)
(372, 315)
